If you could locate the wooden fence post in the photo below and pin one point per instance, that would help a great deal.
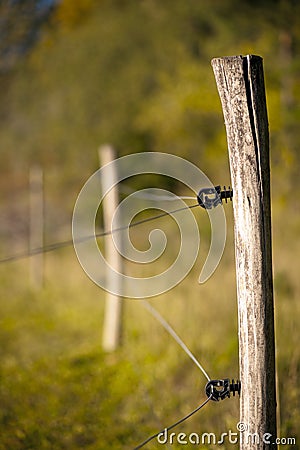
(240, 82)
(113, 305)
(36, 225)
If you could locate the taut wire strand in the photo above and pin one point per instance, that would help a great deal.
(172, 332)
(58, 245)
(174, 424)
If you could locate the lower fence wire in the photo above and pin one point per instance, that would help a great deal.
(174, 424)
(172, 332)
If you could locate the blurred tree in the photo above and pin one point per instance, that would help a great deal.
(69, 14)
(20, 25)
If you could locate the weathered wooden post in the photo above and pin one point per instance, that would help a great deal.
(36, 225)
(240, 83)
(113, 305)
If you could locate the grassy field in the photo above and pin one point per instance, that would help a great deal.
(59, 390)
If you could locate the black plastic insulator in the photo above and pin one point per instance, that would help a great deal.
(209, 198)
(221, 389)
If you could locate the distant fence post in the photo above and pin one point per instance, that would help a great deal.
(36, 225)
(113, 305)
(240, 82)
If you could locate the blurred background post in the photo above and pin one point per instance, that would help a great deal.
(112, 324)
(36, 228)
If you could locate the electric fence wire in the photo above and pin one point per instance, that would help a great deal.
(58, 245)
(172, 332)
(179, 341)
(174, 424)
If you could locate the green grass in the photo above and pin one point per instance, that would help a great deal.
(58, 389)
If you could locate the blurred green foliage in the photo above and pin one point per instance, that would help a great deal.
(136, 74)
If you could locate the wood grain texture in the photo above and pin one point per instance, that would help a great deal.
(240, 83)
